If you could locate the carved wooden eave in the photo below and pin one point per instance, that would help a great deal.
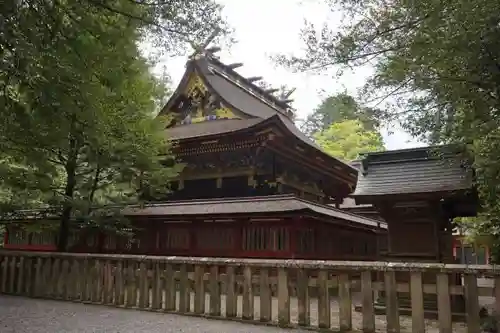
(195, 175)
(215, 146)
(254, 78)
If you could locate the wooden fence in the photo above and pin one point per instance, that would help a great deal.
(288, 293)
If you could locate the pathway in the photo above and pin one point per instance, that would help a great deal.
(24, 315)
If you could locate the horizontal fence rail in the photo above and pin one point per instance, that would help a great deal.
(326, 295)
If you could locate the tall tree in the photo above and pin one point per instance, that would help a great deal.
(337, 108)
(348, 139)
(77, 100)
(438, 61)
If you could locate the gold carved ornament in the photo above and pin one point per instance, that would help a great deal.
(197, 90)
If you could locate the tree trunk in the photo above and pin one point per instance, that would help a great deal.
(62, 244)
(70, 167)
(95, 183)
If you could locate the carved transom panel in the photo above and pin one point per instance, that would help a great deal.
(223, 160)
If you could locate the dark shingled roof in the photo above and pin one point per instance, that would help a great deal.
(234, 94)
(210, 128)
(412, 171)
(248, 205)
(209, 64)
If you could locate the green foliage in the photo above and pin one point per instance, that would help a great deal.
(478, 230)
(436, 62)
(338, 108)
(348, 139)
(77, 129)
(471, 227)
(343, 127)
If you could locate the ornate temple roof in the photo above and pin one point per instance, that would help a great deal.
(237, 92)
(248, 205)
(250, 105)
(413, 171)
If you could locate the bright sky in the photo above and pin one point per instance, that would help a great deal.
(265, 27)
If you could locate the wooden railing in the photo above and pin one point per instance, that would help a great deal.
(288, 293)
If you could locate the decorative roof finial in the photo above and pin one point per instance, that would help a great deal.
(213, 49)
(288, 93)
(202, 48)
(254, 78)
(235, 65)
(271, 90)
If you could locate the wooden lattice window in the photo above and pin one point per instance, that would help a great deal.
(175, 238)
(306, 241)
(329, 243)
(266, 239)
(18, 237)
(45, 237)
(110, 242)
(347, 245)
(214, 238)
(92, 240)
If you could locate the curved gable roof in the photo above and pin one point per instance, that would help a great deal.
(235, 93)
(241, 96)
(245, 102)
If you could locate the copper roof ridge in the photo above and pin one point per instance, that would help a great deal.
(445, 152)
(446, 149)
(405, 150)
(416, 193)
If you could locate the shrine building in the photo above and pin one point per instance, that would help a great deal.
(255, 186)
